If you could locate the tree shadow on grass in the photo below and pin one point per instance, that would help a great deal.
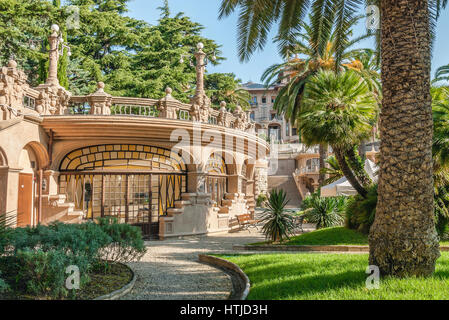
(305, 286)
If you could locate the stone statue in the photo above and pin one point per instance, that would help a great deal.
(241, 121)
(224, 116)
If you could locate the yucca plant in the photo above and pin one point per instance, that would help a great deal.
(278, 222)
(7, 221)
(324, 212)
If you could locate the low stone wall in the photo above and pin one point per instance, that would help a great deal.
(122, 291)
(235, 269)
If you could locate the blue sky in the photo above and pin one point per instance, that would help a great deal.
(224, 32)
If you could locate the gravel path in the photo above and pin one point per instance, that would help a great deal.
(170, 269)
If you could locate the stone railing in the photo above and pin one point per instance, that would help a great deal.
(101, 103)
(53, 100)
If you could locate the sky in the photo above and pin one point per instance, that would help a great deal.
(224, 32)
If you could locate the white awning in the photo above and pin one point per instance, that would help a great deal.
(342, 187)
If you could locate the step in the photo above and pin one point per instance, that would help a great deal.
(224, 210)
(57, 217)
(182, 203)
(228, 202)
(173, 211)
(72, 220)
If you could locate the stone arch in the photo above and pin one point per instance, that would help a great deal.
(123, 156)
(3, 158)
(228, 157)
(250, 165)
(40, 152)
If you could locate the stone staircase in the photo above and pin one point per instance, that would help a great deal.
(57, 208)
(288, 184)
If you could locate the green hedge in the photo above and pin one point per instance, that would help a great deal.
(34, 260)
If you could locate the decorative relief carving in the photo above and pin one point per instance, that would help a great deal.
(200, 109)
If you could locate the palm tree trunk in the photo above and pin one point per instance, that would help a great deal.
(362, 150)
(357, 168)
(403, 240)
(324, 150)
(339, 155)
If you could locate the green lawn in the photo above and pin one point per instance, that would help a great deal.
(333, 277)
(329, 236)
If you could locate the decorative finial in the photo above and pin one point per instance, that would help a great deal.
(200, 46)
(223, 105)
(12, 63)
(55, 28)
(168, 91)
(100, 85)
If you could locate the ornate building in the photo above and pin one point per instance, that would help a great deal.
(171, 168)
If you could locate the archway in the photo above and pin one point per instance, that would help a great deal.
(274, 132)
(216, 180)
(29, 191)
(133, 183)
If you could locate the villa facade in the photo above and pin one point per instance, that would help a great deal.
(171, 168)
(269, 123)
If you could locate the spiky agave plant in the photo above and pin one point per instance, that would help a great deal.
(324, 212)
(278, 222)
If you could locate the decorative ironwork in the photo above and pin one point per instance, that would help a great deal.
(123, 157)
(134, 183)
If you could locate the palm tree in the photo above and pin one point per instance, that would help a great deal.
(403, 240)
(332, 171)
(442, 74)
(339, 110)
(296, 72)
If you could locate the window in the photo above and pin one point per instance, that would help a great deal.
(264, 100)
(294, 132)
(273, 99)
(252, 116)
(254, 100)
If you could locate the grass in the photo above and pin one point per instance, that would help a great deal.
(328, 236)
(333, 277)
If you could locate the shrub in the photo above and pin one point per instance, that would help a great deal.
(3, 285)
(35, 259)
(261, 198)
(278, 223)
(79, 240)
(360, 212)
(39, 273)
(324, 212)
(127, 243)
